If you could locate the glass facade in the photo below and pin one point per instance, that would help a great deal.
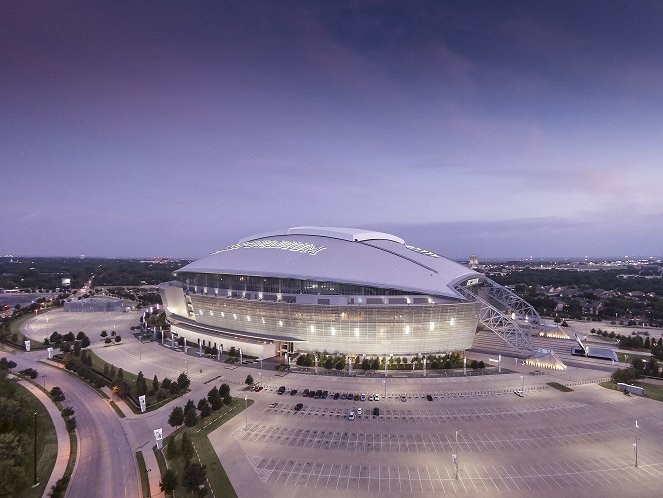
(196, 282)
(373, 330)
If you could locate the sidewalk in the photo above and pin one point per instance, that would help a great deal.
(63, 436)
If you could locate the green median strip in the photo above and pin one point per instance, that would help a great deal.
(560, 387)
(117, 409)
(144, 479)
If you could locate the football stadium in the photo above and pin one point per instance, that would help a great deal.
(339, 291)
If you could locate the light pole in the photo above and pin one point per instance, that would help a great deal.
(43, 378)
(246, 415)
(636, 442)
(260, 371)
(455, 457)
(522, 383)
(385, 388)
(186, 363)
(35, 454)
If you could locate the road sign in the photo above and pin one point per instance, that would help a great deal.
(143, 404)
(27, 345)
(50, 353)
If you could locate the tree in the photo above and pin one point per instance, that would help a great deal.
(108, 340)
(118, 338)
(215, 399)
(249, 380)
(183, 381)
(141, 384)
(120, 373)
(103, 333)
(80, 335)
(187, 447)
(168, 482)
(329, 363)
(12, 464)
(57, 394)
(224, 390)
(194, 476)
(204, 408)
(85, 342)
(623, 375)
(155, 384)
(176, 417)
(190, 415)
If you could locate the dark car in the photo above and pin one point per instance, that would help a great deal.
(337, 395)
(356, 397)
(293, 392)
(318, 394)
(281, 390)
(298, 406)
(325, 394)
(305, 393)
(429, 397)
(376, 411)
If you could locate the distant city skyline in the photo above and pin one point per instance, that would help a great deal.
(502, 129)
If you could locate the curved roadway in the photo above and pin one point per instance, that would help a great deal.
(106, 465)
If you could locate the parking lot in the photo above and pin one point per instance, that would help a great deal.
(547, 443)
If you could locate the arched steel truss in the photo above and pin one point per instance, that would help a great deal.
(500, 308)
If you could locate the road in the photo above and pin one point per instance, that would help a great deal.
(106, 465)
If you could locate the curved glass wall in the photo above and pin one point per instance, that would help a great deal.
(374, 330)
(195, 282)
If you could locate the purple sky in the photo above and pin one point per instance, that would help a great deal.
(504, 129)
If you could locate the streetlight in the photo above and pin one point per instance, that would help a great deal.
(35, 454)
(636, 442)
(522, 386)
(246, 415)
(43, 377)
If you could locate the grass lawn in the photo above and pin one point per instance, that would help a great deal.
(645, 355)
(47, 444)
(217, 477)
(653, 391)
(144, 479)
(15, 328)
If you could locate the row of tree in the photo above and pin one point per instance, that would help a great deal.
(448, 361)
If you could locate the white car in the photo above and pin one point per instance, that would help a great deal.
(377, 397)
(518, 392)
(359, 411)
(370, 397)
(363, 396)
(351, 416)
(273, 405)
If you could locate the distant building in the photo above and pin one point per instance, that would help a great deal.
(474, 261)
(96, 305)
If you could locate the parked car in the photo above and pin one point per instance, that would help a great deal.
(370, 397)
(377, 397)
(293, 392)
(305, 393)
(359, 411)
(363, 396)
(429, 397)
(273, 405)
(280, 390)
(518, 392)
(337, 395)
(325, 394)
(259, 388)
(299, 406)
(351, 416)
(403, 399)
(376, 411)
(356, 397)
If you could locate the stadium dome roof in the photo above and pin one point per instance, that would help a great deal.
(347, 255)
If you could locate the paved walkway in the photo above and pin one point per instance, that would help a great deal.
(61, 431)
